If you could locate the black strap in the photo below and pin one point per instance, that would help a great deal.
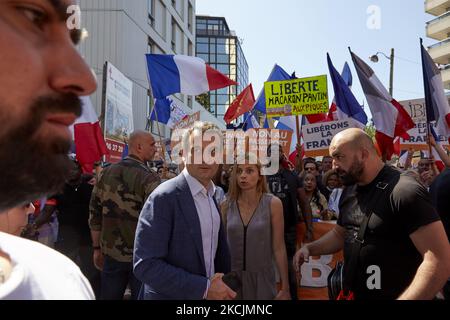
(358, 243)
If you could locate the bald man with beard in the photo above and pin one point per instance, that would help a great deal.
(117, 200)
(404, 252)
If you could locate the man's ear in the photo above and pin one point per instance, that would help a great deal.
(365, 154)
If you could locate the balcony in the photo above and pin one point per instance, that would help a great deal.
(436, 7)
(446, 77)
(439, 28)
(440, 52)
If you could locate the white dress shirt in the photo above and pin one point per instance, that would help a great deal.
(209, 219)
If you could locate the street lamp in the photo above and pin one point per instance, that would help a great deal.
(375, 59)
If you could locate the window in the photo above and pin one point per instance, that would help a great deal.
(203, 56)
(202, 48)
(202, 40)
(223, 68)
(160, 23)
(189, 102)
(151, 12)
(223, 58)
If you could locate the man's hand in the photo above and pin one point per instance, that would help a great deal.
(218, 290)
(98, 259)
(427, 177)
(301, 257)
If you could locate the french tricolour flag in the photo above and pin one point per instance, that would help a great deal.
(390, 118)
(345, 105)
(169, 74)
(90, 145)
(435, 100)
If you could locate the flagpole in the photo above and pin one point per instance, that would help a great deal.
(426, 112)
(163, 146)
(150, 91)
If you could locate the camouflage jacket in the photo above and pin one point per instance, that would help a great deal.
(116, 202)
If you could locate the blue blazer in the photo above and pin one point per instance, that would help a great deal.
(168, 251)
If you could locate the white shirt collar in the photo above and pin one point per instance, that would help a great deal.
(196, 187)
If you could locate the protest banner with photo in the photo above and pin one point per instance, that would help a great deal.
(297, 96)
(256, 141)
(317, 137)
(117, 110)
(418, 135)
(314, 273)
(188, 121)
(159, 154)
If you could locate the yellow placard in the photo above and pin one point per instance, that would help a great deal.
(296, 96)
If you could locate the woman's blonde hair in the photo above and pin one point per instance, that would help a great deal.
(234, 190)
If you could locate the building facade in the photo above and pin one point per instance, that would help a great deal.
(122, 32)
(439, 29)
(221, 49)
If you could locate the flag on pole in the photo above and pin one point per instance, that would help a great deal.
(250, 121)
(168, 112)
(169, 74)
(277, 74)
(242, 104)
(90, 144)
(390, 118)
(435, 100)
(345, 105)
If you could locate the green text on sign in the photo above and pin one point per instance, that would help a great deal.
(296, 96)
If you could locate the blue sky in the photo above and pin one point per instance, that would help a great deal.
(297, 34)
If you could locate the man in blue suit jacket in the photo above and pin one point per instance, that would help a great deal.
(181, 252)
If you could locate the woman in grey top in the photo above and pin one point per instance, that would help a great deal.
(255, 230)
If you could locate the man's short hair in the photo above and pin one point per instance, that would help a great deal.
(199, 127)
(310, 160)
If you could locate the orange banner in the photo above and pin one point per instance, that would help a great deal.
(314, 274)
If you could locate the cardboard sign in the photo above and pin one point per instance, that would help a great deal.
(258, 140)
(418, 135)
(317, 137)
(296, 96)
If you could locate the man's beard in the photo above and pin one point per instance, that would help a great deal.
(353, 174)
(31, 165)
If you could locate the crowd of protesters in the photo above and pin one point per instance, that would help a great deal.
(194, 231)
(93, 219)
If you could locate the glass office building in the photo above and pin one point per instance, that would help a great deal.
(221, 49)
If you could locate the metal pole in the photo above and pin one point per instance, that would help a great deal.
(391, 80)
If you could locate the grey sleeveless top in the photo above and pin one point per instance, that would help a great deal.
(251, 251)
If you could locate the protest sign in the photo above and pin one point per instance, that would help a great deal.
(188, 121)
(317, 137)
(418, 135)
(297, 96)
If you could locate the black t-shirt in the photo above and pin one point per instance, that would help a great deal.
(284, 185)
(397, 213)
(440, 195)
(73, 206)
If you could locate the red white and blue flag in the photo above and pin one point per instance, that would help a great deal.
(171, 74)
(90, 144)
